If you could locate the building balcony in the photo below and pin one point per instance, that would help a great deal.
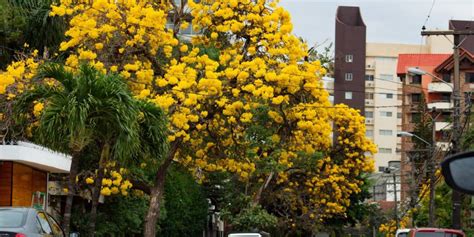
(442, 126)
(440, 87)
(444, 105)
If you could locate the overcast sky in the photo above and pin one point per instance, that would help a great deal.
(390, 21)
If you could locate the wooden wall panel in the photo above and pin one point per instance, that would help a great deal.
(26, 181)
(5, 183)
(22, 182)
(39, 181)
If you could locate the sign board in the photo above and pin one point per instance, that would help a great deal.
(38, 200)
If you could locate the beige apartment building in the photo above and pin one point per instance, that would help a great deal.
(383, 106)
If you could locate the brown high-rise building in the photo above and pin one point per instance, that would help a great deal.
(349, 73)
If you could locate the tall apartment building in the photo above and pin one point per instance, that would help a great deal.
(349, 84)
(438, 96)
(383, 110)
(383, 98)
(366, 79)
(435, 94)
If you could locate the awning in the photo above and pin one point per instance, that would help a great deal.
(36, 156)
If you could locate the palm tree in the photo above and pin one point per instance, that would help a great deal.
(83, 109)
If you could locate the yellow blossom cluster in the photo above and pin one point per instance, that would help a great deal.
(390, 228)
(18, 74)
(118, 36)
(113, 182)
(239, 97)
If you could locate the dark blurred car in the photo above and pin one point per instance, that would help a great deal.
(27, 222)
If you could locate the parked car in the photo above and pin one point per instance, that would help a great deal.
(27, 222)
(435, 232)
(402, 233)
(245, 235)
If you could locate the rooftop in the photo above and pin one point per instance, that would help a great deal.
(414, 60)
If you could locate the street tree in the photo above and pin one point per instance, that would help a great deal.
(239, 97)
(74, 110)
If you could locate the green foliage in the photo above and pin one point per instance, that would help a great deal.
(443, 208)
(184, 212)
(28, 21)
(253, 218)
(11, 37)
(443, 204)
(118, 216)
(40, 29)
(84, 108)
(185, 204)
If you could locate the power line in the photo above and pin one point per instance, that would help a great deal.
(429, 15)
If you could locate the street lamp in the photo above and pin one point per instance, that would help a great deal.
(418, 71)
(431, 171)
(408, 134)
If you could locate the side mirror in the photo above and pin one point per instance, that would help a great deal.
(458, 171)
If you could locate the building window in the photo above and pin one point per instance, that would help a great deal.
(415, 117)
(348, 95)
(369, 133)
(348, 76)
(388, 77)
(416, 98)
(369, 77)
(369, 114)
(469, 77)
(385, 132)
(416, 79)
(446, 97)
(389, 96)
(447, 77)
(399, 115)
(349, 58)
(385, 150)
(385, 113)
(369, 96)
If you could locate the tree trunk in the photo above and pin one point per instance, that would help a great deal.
(156, 195)
(70, 193)
(153, 213)
(258, 195)
(104, 157)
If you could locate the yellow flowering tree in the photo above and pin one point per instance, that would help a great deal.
(239, 97)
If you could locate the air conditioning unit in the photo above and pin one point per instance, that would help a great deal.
(369, 84)
(369, 102)
(369, 121)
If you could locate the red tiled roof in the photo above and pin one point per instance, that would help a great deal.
(413, 60)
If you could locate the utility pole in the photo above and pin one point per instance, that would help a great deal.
(395, 198)
(456, 196)
(456, 148)
(432, 171)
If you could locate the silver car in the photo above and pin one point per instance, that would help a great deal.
(27, 222)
